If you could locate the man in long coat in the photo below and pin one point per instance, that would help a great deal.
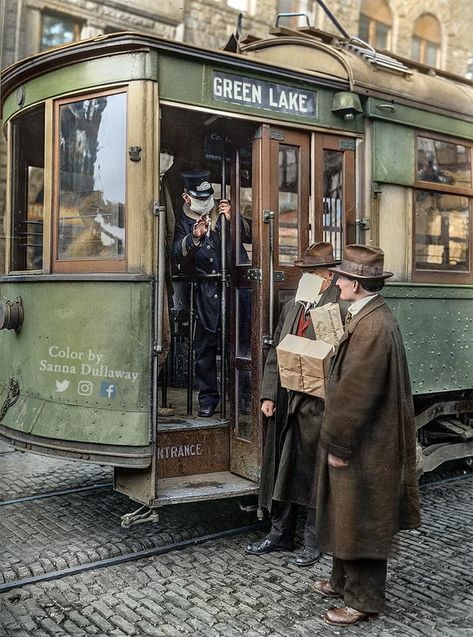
(367, 488)
(294, 421)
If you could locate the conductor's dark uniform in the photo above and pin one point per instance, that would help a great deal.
(200, 258)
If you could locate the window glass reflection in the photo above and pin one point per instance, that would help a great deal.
(443, 162)
(92, 152)
(288, 203)
(442, 230)
(58, 29)
(244, 323)
(244, 228)
(333, 200)
(243, 411)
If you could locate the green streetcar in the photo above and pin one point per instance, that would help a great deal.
(311, 137)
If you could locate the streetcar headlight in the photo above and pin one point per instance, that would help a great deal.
(346, 105)
(11, 314)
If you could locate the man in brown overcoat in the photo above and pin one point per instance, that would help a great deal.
(367, 487)
(294, 420)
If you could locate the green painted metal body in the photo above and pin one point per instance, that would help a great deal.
(394, 153)
(81, 361)
(437, 327)
(181, 80)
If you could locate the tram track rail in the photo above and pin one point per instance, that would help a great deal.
(128, 557)
(54, 494)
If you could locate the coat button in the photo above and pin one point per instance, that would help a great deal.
(213, 271)
(211, 259)
(208, 247)
(215, 296)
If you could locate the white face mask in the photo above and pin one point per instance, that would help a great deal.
(309, 287)
(202, 206)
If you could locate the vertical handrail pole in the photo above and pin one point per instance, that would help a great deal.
(268, 217)
(158, 308)
(190, 368)
(223, 296)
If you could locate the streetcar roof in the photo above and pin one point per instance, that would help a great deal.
(305, 54)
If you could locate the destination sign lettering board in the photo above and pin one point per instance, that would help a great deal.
(266, 95)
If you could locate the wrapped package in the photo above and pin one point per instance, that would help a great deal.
(327, 322)
(304, 364)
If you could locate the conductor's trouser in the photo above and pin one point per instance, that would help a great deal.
(362, 583)
(284, 521)
(205, 349)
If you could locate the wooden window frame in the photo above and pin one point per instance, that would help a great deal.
(459, 277)
(76, 265)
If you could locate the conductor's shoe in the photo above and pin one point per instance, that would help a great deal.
(324, 588)
(346, 616)
(308, 556)
(207, 412)
(264, 546)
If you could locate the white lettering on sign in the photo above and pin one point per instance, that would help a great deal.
(179, 451)
(263, 94)
(238, 89)
(66, 360)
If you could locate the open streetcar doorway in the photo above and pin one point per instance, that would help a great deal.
(286, 188)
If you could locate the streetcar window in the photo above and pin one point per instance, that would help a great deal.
(443, 162)
(333, 200)
(442, 231)
(244, 254)
(442, 203)
(28, 190)
(289, 186)
(243, 411)
(92, 171)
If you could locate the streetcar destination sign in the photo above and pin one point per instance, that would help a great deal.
(261, 94)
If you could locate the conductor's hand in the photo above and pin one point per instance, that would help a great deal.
(267, 407)
(336, 462)
(201, 226)
(225, 208)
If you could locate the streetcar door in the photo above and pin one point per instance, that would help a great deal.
(334, 191)
(272, 189)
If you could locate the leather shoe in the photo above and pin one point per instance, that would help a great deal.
(346, 616)
(166, 412)
(309, 555)
(324, 588)
(264, 546)
(206, 412)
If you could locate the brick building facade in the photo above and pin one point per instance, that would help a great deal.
(432, 31)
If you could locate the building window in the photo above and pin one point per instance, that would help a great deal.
(443, 202)
(57, 29)
(375, 23)
(426, 40)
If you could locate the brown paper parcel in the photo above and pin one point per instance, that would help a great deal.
(304, 364)
(327, 323)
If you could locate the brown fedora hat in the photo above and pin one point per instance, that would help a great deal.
(318, 255)
(362, 262)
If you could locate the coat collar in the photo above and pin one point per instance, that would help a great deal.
(377, 302)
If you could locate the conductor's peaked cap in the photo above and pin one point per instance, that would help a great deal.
(197, 183)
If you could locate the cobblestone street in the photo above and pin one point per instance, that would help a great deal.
(212, 589)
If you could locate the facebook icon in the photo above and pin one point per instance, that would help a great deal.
(108, 390)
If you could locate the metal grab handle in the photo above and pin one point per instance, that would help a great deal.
(268, 217)
(160, 213)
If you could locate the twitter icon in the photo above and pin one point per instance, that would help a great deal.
(62, 385)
